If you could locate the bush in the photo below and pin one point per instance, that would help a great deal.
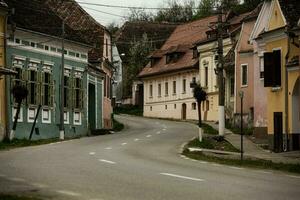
(129, 109)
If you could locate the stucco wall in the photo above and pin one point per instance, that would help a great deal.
(170, 106)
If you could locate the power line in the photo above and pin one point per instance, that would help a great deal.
(103, 12)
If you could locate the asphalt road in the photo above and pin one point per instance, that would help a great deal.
(143, 162)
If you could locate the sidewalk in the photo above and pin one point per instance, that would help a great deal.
(254, 150)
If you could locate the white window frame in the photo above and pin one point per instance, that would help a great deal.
(31, 119)
(46, 121)
(80, 117)
(242, 65)
(14, 111)
(66, 117)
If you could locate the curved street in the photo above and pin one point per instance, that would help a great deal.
(141, 162)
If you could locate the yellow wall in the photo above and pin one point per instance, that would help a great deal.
(276, 19)
(276, 99)
(2, 79)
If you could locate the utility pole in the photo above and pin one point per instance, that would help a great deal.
(220, 69)
(62, 92)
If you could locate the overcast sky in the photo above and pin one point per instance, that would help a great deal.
(106, 19)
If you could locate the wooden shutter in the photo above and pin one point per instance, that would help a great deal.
(268, 68)
(277, 68)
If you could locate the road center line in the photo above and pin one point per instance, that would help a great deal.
(107, 161)
(182, 177)
(164, 129)
(123, 143)
(108, 148)
(69, 193)
(92, 153)
(136, 139)
(158, 132)
(149, 136)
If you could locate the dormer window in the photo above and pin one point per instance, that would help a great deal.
(173, 57)
(195, 53)
(153, 61)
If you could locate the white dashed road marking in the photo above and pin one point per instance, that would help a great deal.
(164, 129)
(69, 193)
(236, 168)
(123, 143)
(182, 177)
(107, 161)
(108, 148)
(217, 165)
(203, 162)
(158, 132)
(92, 153)
(149, 136)
(136, 139)
(39, 185)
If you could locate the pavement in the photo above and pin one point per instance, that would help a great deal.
(141, 162)
(253, 150)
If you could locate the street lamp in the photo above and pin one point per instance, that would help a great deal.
(241, 94)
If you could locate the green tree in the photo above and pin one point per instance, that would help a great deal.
(205, 8)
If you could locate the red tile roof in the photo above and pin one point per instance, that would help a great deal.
(181, 40)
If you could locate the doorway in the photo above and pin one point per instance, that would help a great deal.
(91, 109)
(183, 112)
(278, 133)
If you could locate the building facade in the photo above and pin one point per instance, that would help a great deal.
(167, 78)
(281, 77)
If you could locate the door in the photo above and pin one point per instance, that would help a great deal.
(183, 112)
(92, 105)
(278, 135)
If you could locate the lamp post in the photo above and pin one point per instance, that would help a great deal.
(241, 94)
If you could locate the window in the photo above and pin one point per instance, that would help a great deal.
(53, 49)
(106, 47)
(77, 55)
(150, 108)
(46, 48)
(65, 52)
(174, 106)
(84, 56)
(18, 41)
(195, 53)
(194, 80)
(33, 87)
(244, 75)
(231, 86)
(151, 91)
(261, 67)
(272, 65)
(18, 66)
(166, 107)
(174, 87)
(105, 86)
(32, 44)
(194, 106)
(71, 53)
(25, 43)
(207, 105)
(77, 118)
(184, 86)
(67, 89)
(206, 76)
(66, 117)
(166, 88)
(46, 116)
(173, 57)
(39, 46)
(78, 91)
(47, 89)
(31, 114)
(159, 90)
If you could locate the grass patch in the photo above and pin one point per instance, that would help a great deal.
(209, 130)
(15, 143)
(216, 143)
(13, 197)
(129, 109)
(257, 163)
(117, 126)
(237, 130)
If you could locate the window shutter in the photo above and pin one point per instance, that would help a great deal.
(268, 68)
(277, 68)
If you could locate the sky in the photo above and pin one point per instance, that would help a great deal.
(106, 19)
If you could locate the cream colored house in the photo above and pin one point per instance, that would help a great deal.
(167, 78)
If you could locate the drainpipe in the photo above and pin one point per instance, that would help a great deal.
(286, 91)
(6, 82)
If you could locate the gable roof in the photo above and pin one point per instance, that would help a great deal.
(183, 38)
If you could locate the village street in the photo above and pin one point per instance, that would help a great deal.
(141, 162)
